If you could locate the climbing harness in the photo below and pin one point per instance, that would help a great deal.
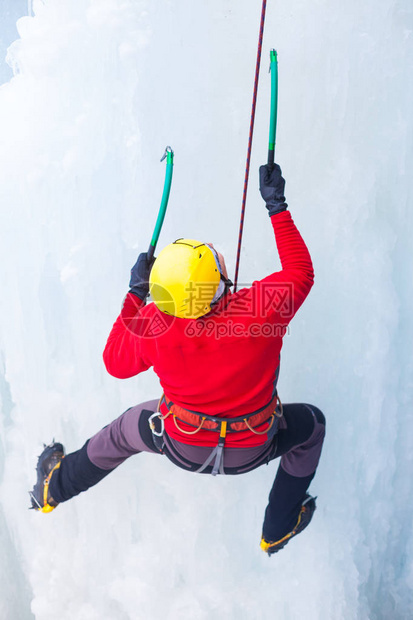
(273, 125)
(223, 425)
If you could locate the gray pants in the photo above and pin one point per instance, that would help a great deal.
(297, 439)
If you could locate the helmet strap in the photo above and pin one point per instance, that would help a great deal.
(223, 288)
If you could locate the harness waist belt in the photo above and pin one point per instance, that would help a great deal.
(248, 421)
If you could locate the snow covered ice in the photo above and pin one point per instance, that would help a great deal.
(100, 87)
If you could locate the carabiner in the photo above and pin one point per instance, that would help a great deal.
(152, 424)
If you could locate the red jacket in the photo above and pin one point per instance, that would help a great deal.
(225, 362)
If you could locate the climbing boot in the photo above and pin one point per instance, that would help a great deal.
(306, 514)
(49, 460)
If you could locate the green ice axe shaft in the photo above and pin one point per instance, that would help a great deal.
(169, 155)
(274, 105)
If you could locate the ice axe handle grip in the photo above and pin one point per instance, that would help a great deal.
(151, 252)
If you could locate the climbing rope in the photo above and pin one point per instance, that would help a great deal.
(247, 168)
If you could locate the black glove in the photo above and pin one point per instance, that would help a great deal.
(272, 188)
(139, 276)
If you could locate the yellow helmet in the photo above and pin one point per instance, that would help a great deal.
(184, 279)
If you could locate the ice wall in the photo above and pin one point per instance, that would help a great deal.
(10, 11)
(100, 88)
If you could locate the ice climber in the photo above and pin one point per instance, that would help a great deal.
(217, 356)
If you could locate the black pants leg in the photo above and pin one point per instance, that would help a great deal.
(299, 445)
(76, 473)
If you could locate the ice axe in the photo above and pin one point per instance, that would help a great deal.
(169, 156)
(274, 106)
